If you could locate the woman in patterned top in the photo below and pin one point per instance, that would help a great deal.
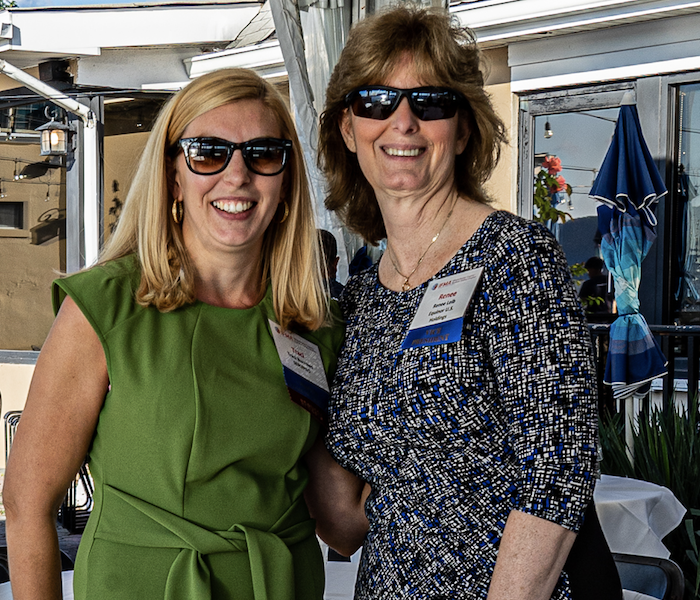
(466, 393)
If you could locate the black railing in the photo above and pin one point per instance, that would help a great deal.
(681, 347)
(77, 504)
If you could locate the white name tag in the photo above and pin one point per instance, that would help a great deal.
(303, 371)
(440, 314)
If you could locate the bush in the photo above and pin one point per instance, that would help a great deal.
(666, 452)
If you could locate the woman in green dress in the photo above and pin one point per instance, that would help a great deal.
(173, 364)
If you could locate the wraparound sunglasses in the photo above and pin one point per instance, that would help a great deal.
(427, 103)
(209, 155)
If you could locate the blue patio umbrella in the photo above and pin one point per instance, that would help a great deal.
(629, 186)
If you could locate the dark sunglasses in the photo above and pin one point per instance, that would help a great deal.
(209, 156)
(427, 103)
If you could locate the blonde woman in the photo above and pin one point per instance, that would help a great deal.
(163, 366)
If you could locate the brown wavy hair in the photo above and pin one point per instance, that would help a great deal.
(444, 54)
(290, 255)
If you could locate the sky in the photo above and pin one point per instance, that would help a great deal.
(34, 3)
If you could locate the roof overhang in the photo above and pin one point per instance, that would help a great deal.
(266, 59)
(29, 36)
(500, 22)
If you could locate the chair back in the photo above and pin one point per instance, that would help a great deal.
(656, 577)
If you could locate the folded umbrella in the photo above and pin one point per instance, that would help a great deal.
(629, 186)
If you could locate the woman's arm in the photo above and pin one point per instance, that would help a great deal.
(544, 368)
(65, 397)
(336, 499)
(530, 558)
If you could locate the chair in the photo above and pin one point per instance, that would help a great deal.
(656, 577)
(77, 504)
(66, 564)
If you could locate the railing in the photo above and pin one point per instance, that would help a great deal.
(77, 504)
(681, 347)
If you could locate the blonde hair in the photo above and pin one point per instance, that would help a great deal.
(290, 255)
(444, 54)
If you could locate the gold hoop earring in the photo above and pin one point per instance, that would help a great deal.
(286, 213)
(178, 211)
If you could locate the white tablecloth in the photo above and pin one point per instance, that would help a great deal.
(6, 590)
(636, 515)
(628, 595)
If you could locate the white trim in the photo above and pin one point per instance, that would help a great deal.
(505, 20)
(266, 58)
(691, 63)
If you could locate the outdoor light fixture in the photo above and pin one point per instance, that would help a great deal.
(548, 133)
(54, 138)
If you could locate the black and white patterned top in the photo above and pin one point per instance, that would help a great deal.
(453, 437)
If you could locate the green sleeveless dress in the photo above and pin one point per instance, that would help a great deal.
(198, 484)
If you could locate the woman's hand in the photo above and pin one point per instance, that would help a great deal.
(336, 499)
(530, 558)
(65, 397)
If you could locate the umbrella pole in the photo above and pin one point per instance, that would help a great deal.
(629, 428)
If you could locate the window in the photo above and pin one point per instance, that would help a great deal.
(581, 122)
(11, 215)
(687, 204)
(574, 127)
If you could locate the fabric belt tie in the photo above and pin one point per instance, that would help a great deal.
(143, 524)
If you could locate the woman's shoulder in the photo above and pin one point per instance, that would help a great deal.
(359, 284)
(505, 227)
(124, 273)
(506, 237)
(104, 293)
(331, 335)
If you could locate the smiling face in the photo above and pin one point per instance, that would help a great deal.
(228, 213)
(403, 156)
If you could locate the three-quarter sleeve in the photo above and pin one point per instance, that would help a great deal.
(545, 375)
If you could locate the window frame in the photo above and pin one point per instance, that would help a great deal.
(655, 104)
(16, 232)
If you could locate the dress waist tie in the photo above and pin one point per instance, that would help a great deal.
(143, 524)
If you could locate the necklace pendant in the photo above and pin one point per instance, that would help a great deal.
(405, 286)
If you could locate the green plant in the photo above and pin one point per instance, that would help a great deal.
(692, 552)
(666, 448)
(578, 270)
(548, 186)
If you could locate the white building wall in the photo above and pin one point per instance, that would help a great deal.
(623, 52)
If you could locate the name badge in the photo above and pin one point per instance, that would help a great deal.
(303, 371)
(440, 314)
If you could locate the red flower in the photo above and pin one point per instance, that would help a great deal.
(552, 164)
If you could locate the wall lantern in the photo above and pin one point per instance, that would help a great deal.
(54, 138)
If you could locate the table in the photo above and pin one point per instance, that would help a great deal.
(629, 595)
(636, 515)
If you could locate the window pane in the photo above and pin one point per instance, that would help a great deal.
(569, 150)
(688, 200)
(579, 140)
(11, 215)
